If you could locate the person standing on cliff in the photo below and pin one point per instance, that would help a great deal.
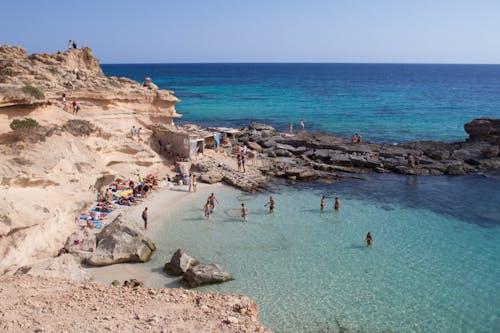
(145, 218)
(290, 127)
(302, 124)
(74, 44)
(69, 44)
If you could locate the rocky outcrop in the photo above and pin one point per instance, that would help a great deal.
(76, 73)
(118, 242)
(65, 266)
(205, 274)
(484, 129)
(307, 156)
(211, 177)
(179, 263)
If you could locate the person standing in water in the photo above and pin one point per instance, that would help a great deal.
(271, 204)
(368, 239)
(145, 217)
(336, 205)
(208, 209)
(244, 212)
(212, 199)
(322, 204)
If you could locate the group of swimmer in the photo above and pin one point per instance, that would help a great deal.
(210, 205)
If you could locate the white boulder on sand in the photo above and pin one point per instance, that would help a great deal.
(119, 242)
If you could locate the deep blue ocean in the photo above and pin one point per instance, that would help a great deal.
(435, 262)
(383, 102)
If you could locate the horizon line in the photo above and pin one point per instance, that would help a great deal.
(297, 63)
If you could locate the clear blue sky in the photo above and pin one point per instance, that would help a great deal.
(166, 31)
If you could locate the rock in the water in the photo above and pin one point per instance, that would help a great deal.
(211, 177)
(65, 266)
(119, 242)
(179, 263)
(205, 274)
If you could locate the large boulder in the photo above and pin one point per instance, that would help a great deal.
(81, 243)
(119, 242)
(205, 274)
(211, 177)
(179, 263)
(254, 146)
(261, 127)
(65, 266)
(484, 129)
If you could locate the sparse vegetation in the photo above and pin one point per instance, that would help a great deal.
(33, 91)
(23, 123)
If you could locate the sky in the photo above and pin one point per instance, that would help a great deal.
(198, 31)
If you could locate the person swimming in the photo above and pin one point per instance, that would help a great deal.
(368, 239)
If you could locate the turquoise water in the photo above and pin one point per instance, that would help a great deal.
(435, 262)
(383, 102)
(434, 265)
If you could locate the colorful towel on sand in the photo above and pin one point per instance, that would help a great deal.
(97, 224)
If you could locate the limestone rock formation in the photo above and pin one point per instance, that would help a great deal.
(119, 242)
(179, 263)
(205, 274)
(76, 73)
(211, 177)
(65, 266)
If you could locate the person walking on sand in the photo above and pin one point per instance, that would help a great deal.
(190, 182)
(271, 204)
(243, 161)
(336, 205)
(244, 212)
(132, 132)
(195, 188)
(322, 204)
(368, 239)
(145, 218)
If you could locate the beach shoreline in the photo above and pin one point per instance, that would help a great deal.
(159, 203)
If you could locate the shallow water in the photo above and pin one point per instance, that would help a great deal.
(434, 265)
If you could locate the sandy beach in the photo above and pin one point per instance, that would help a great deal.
(160, 204)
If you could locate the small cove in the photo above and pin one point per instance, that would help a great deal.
(433, 267)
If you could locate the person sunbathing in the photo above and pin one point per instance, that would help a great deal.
(90, 224)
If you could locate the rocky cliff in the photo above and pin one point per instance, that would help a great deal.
(76, 73)
(51, 173)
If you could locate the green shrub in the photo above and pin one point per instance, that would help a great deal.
(23, 123)
(33, 91)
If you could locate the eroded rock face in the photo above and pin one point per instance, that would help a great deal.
(76, 73)
(65, 266)
(211, 177)
(205, 274)
(179, 263)
(119, 242)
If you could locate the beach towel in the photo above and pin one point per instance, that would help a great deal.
(97, 224)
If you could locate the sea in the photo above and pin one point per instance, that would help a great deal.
(434, 265)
